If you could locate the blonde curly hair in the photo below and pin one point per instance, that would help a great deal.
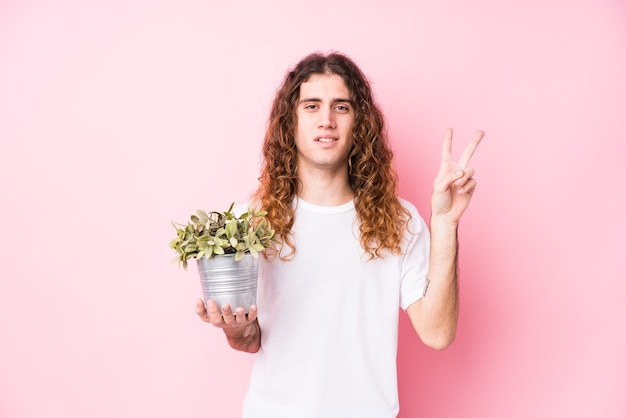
(382, 218)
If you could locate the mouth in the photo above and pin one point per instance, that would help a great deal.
(325, 139)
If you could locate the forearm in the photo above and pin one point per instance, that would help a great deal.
(247, 338)
(435, 316)
(440, 305)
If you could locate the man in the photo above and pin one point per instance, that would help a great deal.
(351, 252)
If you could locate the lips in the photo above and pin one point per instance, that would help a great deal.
(325, 139)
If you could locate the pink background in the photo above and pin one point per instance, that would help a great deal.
(117, 117)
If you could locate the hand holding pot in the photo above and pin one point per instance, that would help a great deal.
(242, 330)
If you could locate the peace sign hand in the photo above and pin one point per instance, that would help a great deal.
(455, 183)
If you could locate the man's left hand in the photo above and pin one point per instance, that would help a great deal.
(455, 183)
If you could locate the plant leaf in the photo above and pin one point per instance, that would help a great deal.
(254, 252)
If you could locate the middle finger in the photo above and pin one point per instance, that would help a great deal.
(227, 314)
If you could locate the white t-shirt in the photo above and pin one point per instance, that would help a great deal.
(329, 320)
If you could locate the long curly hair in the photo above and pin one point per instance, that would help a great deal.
(382, 218)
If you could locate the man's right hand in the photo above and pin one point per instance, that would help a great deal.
(242, 330)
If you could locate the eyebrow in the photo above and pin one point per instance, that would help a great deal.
(316, 99)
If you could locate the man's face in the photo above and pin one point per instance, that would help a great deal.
(324, 121)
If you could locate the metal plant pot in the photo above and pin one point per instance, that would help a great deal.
(228, 281)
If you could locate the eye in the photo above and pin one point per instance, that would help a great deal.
(310, 106)
(342, 108)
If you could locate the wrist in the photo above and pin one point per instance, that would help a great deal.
(443, 239)
(443, 223)
(244, 338)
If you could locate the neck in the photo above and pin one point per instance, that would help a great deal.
(322, 188)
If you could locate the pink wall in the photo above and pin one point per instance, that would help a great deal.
(116, 117)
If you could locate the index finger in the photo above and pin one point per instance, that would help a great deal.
(214, 312)
(471, 148)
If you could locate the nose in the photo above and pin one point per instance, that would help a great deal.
(327, 118)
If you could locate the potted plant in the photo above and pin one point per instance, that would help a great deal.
(226, 248)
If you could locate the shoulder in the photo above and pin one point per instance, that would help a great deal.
(407, 205)
(410, 207)
(416, 225)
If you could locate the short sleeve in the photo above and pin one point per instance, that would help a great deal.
(416, 258)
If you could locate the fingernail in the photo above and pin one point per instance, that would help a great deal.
(459, 172)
